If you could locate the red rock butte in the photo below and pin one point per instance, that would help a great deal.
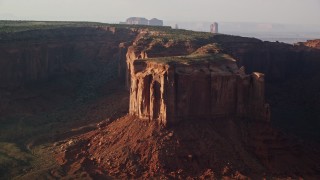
(194, 87)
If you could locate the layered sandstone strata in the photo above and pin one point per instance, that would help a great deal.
(174, 89)
(38, 55)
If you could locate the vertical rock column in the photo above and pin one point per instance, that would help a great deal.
(259, 110)
(147, 93)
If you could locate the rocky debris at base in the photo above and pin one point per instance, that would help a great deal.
(132, 148)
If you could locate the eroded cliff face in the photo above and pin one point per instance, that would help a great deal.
(38, 55)
(153, 44)
(174, 92)
(291, 75)
(312, 43)
(278, 61)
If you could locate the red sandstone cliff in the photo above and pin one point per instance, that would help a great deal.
(34, 55)
(313, 43)
(291, 75)
(178, 91)
(278, 61)
(213, 87)
(290, 72)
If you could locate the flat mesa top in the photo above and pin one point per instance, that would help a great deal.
(193, 59)
(19, 26)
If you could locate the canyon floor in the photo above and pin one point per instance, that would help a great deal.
(37, 116)
(221, 149)
(101, 142)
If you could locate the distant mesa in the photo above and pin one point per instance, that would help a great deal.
(137, 20)
(155, 22)
(143, 21)
(214, 28)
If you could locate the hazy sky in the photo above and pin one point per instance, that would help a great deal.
(275, 11)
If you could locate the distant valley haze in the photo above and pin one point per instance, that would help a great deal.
(240, 17)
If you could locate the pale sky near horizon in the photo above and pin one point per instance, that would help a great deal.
(267, 11)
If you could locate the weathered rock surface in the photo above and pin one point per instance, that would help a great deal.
(38, 55)
(218, 149)
(312, 43)
(213, 87)
(291, 75)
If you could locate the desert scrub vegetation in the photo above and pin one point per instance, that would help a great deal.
(165, 35)
(18, 26)
(12, 160)
(156, 32)
(191, 59)
(159, 37)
